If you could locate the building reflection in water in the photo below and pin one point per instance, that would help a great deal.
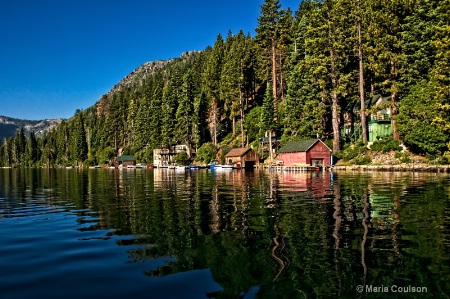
(260, 230)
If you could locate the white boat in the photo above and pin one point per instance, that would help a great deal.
(227, 166)
(180, 167)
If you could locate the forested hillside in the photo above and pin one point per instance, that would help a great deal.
(302, 75)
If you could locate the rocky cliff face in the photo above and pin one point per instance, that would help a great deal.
(9, 126)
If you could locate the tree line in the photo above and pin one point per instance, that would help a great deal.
(296, 78)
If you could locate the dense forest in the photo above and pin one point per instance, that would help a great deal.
(301, 76)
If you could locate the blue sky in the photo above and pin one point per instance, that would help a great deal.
(57, 56)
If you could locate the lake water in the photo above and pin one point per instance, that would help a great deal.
(69, 233)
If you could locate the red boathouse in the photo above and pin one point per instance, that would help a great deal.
(311, 152)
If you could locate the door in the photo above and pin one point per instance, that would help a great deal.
(317, 162)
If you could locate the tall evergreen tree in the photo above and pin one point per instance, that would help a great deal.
(185, 113)
(268, 117)
(155, 122)
(20, 146)
(267, 36)
(211, 83)
(31, 151)
(385, 56)
(232, 79)
(171, 98)
(79, 146)
(305, 111)
(441, 70)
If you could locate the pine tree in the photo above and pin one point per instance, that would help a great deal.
(171, 98)
(142, 121)
(305, 110)
(232, 79)
(79, 148)
(31, 151)
(6, 154)
(441, 70)
(211, 83)
(185, 113)
(418, 34)
(62, 143)
(267, 36)
(154, 126)
(267, 117)
(20, 146)
(385, 56)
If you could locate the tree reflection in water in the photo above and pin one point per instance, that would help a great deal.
(267, 234)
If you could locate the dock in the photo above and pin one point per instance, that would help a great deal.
(296, 168)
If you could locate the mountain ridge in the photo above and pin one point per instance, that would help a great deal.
(9, 126)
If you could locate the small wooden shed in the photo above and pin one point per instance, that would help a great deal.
(305, 152)
(245, 156)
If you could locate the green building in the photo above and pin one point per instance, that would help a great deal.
(379, 129)
(379, 125)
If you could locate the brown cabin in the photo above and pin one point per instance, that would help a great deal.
(245, 156)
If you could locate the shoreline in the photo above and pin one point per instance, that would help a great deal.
(397, 167)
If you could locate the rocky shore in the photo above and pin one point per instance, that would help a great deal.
(400, 167)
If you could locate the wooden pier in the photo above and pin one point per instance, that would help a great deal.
(297, 168)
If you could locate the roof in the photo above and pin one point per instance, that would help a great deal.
(238, 152)
(300, 146)
(126, 158)
(368, 103)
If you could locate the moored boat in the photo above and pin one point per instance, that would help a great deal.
(227, 167)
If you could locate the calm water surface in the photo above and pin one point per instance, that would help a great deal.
(106, 233)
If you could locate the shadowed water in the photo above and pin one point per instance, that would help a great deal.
(162, 233)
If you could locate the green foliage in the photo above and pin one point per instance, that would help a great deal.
(445, 159)
(181, 158)
(206, 153)
(225, 150)
(267, 113)
(415, 121)
(386, 145)
(106, 154)
(403, 157)
(354, 151)
(362, 160)
(252, 123)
